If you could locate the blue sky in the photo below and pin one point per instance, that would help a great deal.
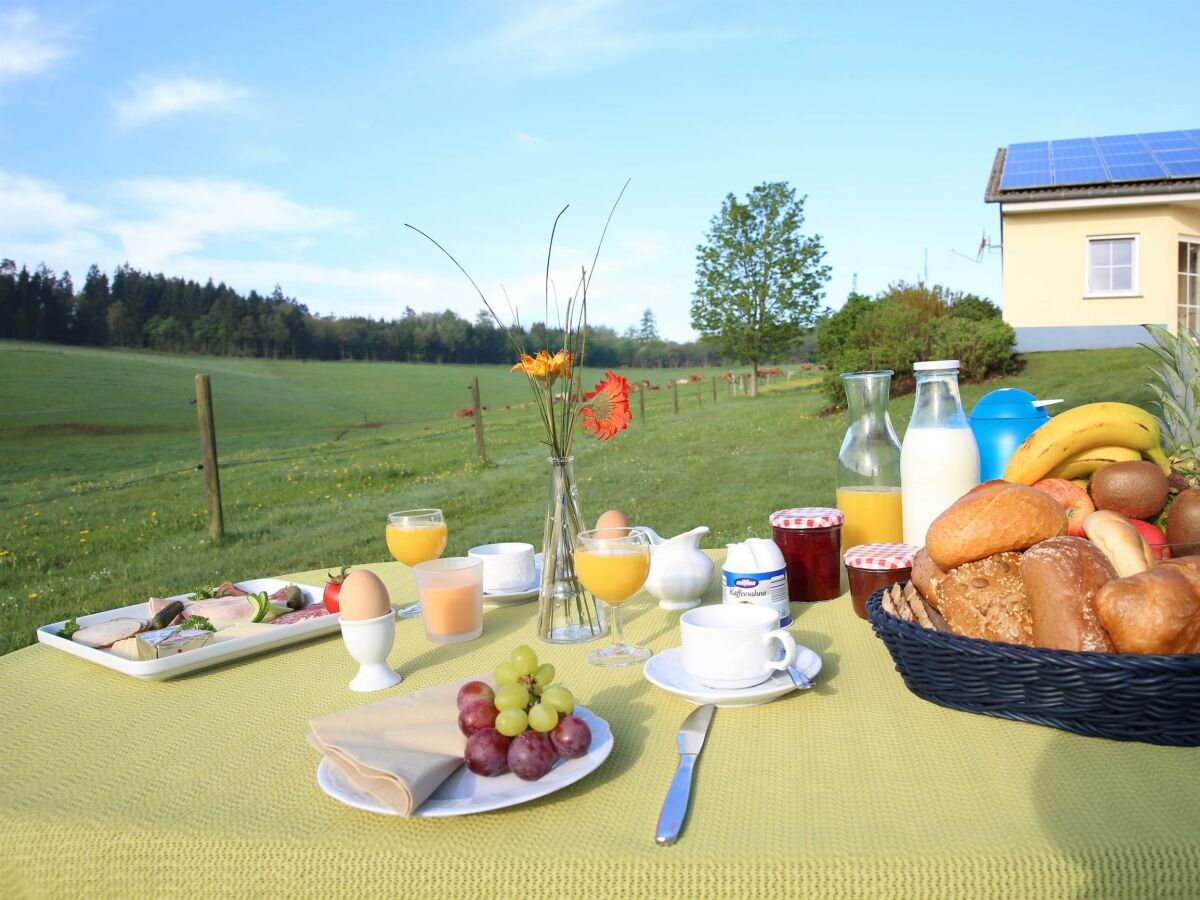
(263, 142)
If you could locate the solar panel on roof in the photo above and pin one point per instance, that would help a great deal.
(1102, 160)
(1184, 169)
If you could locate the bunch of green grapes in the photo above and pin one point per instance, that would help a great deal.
(527, 697)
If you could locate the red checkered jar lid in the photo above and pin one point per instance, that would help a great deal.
(883, 557)
(804, 517)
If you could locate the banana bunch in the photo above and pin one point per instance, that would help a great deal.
(1076, 442)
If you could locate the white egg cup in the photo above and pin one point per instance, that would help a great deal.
(369, 642)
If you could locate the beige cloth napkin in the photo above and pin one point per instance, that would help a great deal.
(398, 750)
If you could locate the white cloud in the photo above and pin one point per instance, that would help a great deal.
(528, 141)
(254, 237)
(552, 36)
(177, 215)
(157, 98)
(26, 46)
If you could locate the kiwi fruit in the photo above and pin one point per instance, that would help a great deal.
(1134, 489)
(1183, 524)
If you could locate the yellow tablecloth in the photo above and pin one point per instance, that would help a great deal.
(204, 785)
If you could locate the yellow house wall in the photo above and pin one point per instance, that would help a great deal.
(1045, 265)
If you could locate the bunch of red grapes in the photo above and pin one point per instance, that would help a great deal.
(525, 725)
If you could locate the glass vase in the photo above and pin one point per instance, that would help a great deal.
(567, 614)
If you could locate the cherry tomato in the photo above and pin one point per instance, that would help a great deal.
(333, 590)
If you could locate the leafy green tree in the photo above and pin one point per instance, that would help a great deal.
(759, 279)
(648, 330)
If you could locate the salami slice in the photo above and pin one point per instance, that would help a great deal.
(314, 611)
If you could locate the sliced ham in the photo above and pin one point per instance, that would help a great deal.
(104, 634)
(221, 611)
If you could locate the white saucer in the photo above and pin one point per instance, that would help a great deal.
(665, 670)
(517, 597)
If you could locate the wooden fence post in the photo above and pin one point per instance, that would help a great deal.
(208, 446)
(700, 394)
(642, 401)
(714, 389)
(675, 394)
(477, 415)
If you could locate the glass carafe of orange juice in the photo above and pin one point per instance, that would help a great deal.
(868, 464)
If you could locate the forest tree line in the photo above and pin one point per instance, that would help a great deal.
(136, 309)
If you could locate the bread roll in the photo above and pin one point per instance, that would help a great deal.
(1120, 541)
(1062, 576)
(994, 517)
(986, 599)
(1157, 611)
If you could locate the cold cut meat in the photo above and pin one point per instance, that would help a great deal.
(309, 612)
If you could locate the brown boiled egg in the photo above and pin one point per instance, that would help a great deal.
(614, 522)
(363, 596)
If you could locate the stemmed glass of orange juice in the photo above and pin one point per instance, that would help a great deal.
(613, 564)
(415, 536)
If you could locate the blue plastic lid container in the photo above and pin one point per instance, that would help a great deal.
(1000, 421)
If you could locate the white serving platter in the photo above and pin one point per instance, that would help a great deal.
(464, 792)
(210, 655)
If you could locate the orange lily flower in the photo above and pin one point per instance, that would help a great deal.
(544, 368)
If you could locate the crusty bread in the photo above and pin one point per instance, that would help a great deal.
(1157, 611)
(925, 576)
(994, 517)
(1062, 576)
(986, 599)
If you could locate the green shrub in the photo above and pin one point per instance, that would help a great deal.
(969, 306)
(982, 346)
(891, 333)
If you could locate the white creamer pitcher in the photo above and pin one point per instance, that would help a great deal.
(755, 572)
(680, 572)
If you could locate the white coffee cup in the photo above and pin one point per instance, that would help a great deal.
(734, 645)
(506, 567)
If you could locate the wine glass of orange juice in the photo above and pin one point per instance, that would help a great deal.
(613, 564)
(415, 536)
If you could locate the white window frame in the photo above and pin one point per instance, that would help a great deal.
(1087, 265)
(1179, 304)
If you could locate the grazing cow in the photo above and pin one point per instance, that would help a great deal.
(692, 379)
(728, 376)
(806, 367)
(465, 413)
(655, 387)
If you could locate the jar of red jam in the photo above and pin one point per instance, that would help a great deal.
(810, 538)
(874, 566)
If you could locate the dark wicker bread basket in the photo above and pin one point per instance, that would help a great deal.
(1122, 696)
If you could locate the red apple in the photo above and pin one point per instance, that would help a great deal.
(1072, 498)
(1154, 537)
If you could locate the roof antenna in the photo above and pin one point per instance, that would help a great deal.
(985, 245)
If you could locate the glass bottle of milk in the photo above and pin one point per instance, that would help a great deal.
(939, 461)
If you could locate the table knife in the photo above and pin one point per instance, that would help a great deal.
(674, 809)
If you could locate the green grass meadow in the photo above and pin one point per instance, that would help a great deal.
(100, 505)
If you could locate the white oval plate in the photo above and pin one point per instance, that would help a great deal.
(516, 598)
(464, 792)
(665, 670)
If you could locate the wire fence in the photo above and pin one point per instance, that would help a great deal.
(673, 397)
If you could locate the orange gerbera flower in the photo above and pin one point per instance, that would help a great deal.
(607, 409)
(544, 368)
